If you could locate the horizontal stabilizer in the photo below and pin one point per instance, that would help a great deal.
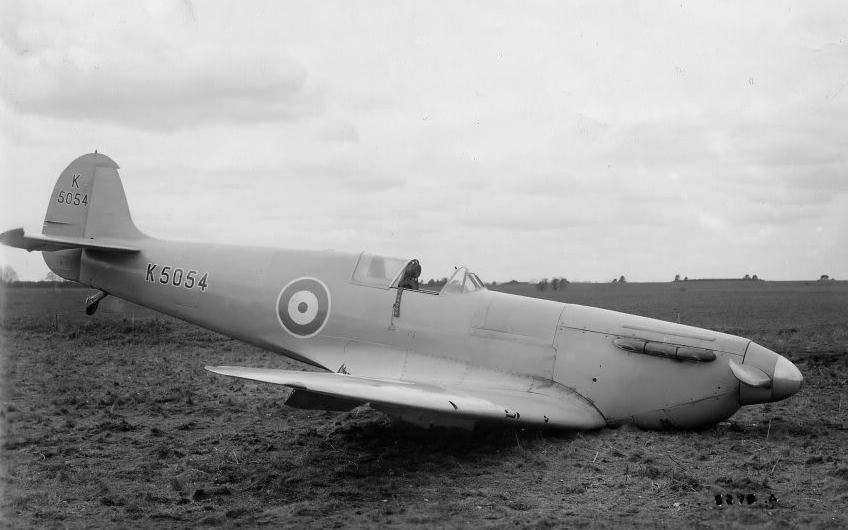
(50, 243)
(567, 410)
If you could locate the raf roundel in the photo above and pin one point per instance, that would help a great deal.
(303, 307)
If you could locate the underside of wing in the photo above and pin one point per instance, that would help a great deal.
(18, 239)
(554, 406)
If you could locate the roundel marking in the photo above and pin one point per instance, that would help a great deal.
(303, 307)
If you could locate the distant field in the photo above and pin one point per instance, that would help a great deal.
(111, 421)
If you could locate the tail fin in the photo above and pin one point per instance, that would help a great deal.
(87, 211)
(89, 201)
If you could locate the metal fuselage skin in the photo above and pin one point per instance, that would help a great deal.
(481, 337)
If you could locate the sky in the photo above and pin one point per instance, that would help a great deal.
(525, 140)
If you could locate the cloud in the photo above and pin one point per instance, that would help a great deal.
(338, 131)
(106, 64)
(644, 139)
(341, 178)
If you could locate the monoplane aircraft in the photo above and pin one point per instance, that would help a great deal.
(453, 357)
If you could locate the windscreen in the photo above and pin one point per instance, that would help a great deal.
(463, 281)
(378, 271)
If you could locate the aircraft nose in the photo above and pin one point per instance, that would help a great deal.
(765, 376)
(787, 379)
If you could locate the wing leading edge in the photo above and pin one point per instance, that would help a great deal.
(556, 407)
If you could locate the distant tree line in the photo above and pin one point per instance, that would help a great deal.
(9, 277)
(33, 284)
(747, 277)
(554, 283)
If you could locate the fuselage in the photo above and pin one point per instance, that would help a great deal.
(474, 337)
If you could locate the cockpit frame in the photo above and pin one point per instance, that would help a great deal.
(388, 272)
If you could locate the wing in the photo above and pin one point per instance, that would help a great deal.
(16, 238)
(557, 407)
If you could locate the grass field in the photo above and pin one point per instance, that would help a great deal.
(111, 420)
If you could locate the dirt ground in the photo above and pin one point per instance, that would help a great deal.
(111, 420)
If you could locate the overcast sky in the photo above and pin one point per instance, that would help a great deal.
(526, 140)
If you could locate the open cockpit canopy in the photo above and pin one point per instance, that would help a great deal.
(386, 272)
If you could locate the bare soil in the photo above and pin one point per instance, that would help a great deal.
(111, 420)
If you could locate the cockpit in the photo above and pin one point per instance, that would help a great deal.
(385, 272)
